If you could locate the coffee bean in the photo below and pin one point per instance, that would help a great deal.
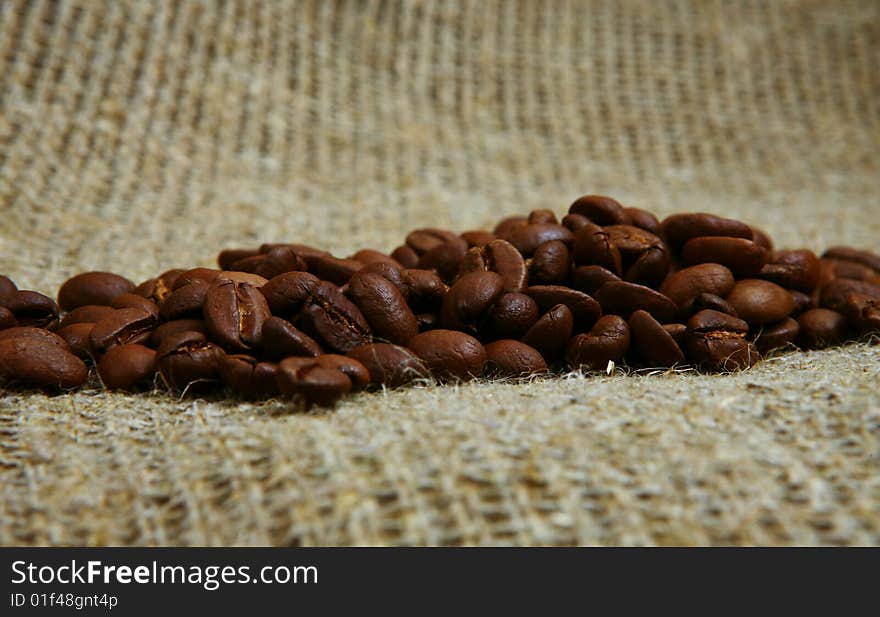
(607, 341)
(716, 342)
(802, 302)
(406, 256)
(89, 313)
(159, 288)
(762, 239)
(424, 290)
(247, 376)
(131, 300)
(513, 359)
(645, 258)
(589, 279)
(123, 326)
(227, 257)
(469, 299)
(39, 363)
(371, 256)
(797, 270)
(175, 326)
(36, 334)
(187, 361)
(643, 220)
(592, 247)
(32, 308)
(425, 239)
(389, 365)
(820, 327)
(334, 319)
(92, 288)
(350, 367)
(542, 216)
(127, 367)
(684, 286)
(506, 225)
(652, 343)
(234, 314)
(7, 287)
(315, 384)
(622, 298)
(574, 222)
(78, 337)
(196, 275)
(477, 237)
(449, 354)
(281, 339)
(388, 271)
(510, 317)
(679, 228)
(501, 257)
(551, 333)
(231, 276)
(776, 335)
(863, 313)
(742, 257)
(837, 294)
(287, 293)
(528, 237)
(337, 271)
(550, 264)
(677, 331)
(760, 302)
(275, 261)
(584, 309)
(837, 268)
(716, 303)
(185, 302)
(7, 318)
(600, 210)
(384, 307)
(445, 259)
(847, 253)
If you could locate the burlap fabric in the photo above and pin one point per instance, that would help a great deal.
(140, 136)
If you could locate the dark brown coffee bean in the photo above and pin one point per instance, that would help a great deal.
(337, 271)
(622, 298)
(542, 216)
(304, 251)
(477, 237)
(643, 220)
(677, 331)
(389, 365)
(449, 354)
(349, 366)
(123, 326)
(762, 239)
(315, 384)
(384, 307)
(173, 327)
(234, 314)
(281, 339)
(372, 256)
(574, 222)
(836, 295)
(820, 327)
(760, 302)
(187, 361)
(551, 333)
(742, 257)
(527, 238)
(802, 302)
(388, 271)
(195, 275)
(39, 363)
(606, 342)
(645, 258)
(505, 226)
(185, 302)
(277, 260)
(510, 317)
(7, 287)
(425, 290)
(684, 286)
(470, 299)
(776, 335)
(135, 301)
(716, 342)
(652, 343)
(550, 264)
(335, 319)
(705, 301)
(406, 256)
(92, 288)
(848, 253)
(32, 308)
(593, 247)
(838, 268)
(512, 359)
(159, 288)
(584, 309)
(227, 257)
(78, 337)
(428, 321)
(501, 257)
(36, 334)
(425, 239)
(863, 313)
(600, 210)
(7, 318)
(589, 279)
(679, 228)
(231, 276)
(287, 293)
(89, 313)
(797, 270)
(247, 376)
(127, 367)
(445, 259)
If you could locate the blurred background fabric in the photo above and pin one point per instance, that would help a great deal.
(140, 136)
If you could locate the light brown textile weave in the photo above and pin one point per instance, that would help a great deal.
(141, 136)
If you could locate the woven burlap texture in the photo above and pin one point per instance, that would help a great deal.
(141, 136)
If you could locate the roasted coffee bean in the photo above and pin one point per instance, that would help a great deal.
(777, 335)
(584, 309)
(449, 354)
(40, 363)
(135, 301)
(600, 210)
(7, 318)
(513, 359)
(187, 361)
(797, 270)
(510, 317)
(315, 384)
(277, 260)
(231, 276)
(501, 257)
(227, 257)
(589, 279)
(249, 377)
(195, 275)
(716, 303)
(234, 314)
(742, 257)
(477, 237)
(551, 333)
(425, 239)
(716, 342)
(863, 313)
(7, 287)
(428, 321)
(470, 299)
(389, 365)
(592, 247)
(123, 326)
(527, 238)
(837, 294)
(802, 302)
(281, 339)
(185, 302)
(92, 288)
(35, 334)
(574, 222)
(506, 225)
(304, 251)
(78, 337)
(760, 302)
(175, 326)
(337, 271)
(287, 293)
(645, 258)
(388, 271)
(606, 342)
(542, 216)
(350, 367)
(127, 367)
(684, 286)
(679, 228)
(445, 259)
(652, 343)
(762, 239)
(334, 319)
(837, 268)
(406, 256)
(371, 256)
(424, 290)
(622, 298)
(159, 288)
(643, 220)
(820, 327)
(384, 307)
(677, 331)
(89, 313)
(847, 253)
(550, 264)
(32, 308)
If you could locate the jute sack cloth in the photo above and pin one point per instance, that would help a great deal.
(141, 136)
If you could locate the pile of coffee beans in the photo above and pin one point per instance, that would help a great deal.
(605, 284)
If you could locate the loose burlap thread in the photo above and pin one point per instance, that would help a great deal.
(141, 136)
